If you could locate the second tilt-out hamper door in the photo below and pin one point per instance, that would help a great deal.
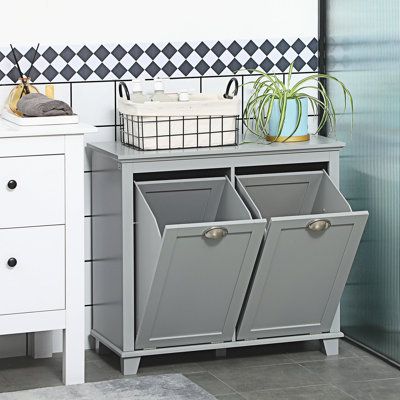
(198, 272)
(306, 258)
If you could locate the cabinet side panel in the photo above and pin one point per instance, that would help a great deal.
(148, 240)
(107, 248)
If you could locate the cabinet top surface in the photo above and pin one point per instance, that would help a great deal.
(10, 130)
(125, 154)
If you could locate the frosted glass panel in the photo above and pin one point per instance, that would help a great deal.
(363, 50)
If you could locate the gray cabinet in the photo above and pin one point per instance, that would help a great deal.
(309, 247)
(161, 286)
(197, 245)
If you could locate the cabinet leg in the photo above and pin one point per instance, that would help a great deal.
(130, 366)
(101, 349)
(73, 357)
(331, 347)
(40, 344)
(220, 353)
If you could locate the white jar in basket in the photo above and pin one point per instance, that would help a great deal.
(206, 120)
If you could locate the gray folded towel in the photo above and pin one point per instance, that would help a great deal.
(39, 105)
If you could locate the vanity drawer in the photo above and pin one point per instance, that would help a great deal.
(32, 269)
(31, 191)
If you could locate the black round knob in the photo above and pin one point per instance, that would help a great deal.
(12, 184)
(12, 262)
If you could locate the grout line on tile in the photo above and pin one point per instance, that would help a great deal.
(229, 386)
(107, 126)
(325, 360)
(289, 362)
(70, 95)
(263, 365)
(378, 380)
(243, 106)
(91, 246)
(343, 391)
(115, 110)
(313, 373)
(171, 78)
(286, 387)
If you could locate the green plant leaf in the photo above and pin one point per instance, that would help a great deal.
(269, 88)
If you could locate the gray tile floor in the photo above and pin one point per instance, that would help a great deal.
(297, 371)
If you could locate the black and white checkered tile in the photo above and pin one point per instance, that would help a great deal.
(185, 59)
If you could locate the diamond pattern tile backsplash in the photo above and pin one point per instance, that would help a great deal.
(173, 60)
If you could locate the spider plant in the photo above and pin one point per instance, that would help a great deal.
(272, 98)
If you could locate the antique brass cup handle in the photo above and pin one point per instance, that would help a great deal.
(319, 225)
(215, 233)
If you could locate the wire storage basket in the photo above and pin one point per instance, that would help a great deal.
(204, 121)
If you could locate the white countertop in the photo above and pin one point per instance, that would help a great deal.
(10, 130)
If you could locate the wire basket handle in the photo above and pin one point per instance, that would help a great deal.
(123, 85)
(228, 94)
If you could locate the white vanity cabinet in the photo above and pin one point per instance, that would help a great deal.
(42, 237)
